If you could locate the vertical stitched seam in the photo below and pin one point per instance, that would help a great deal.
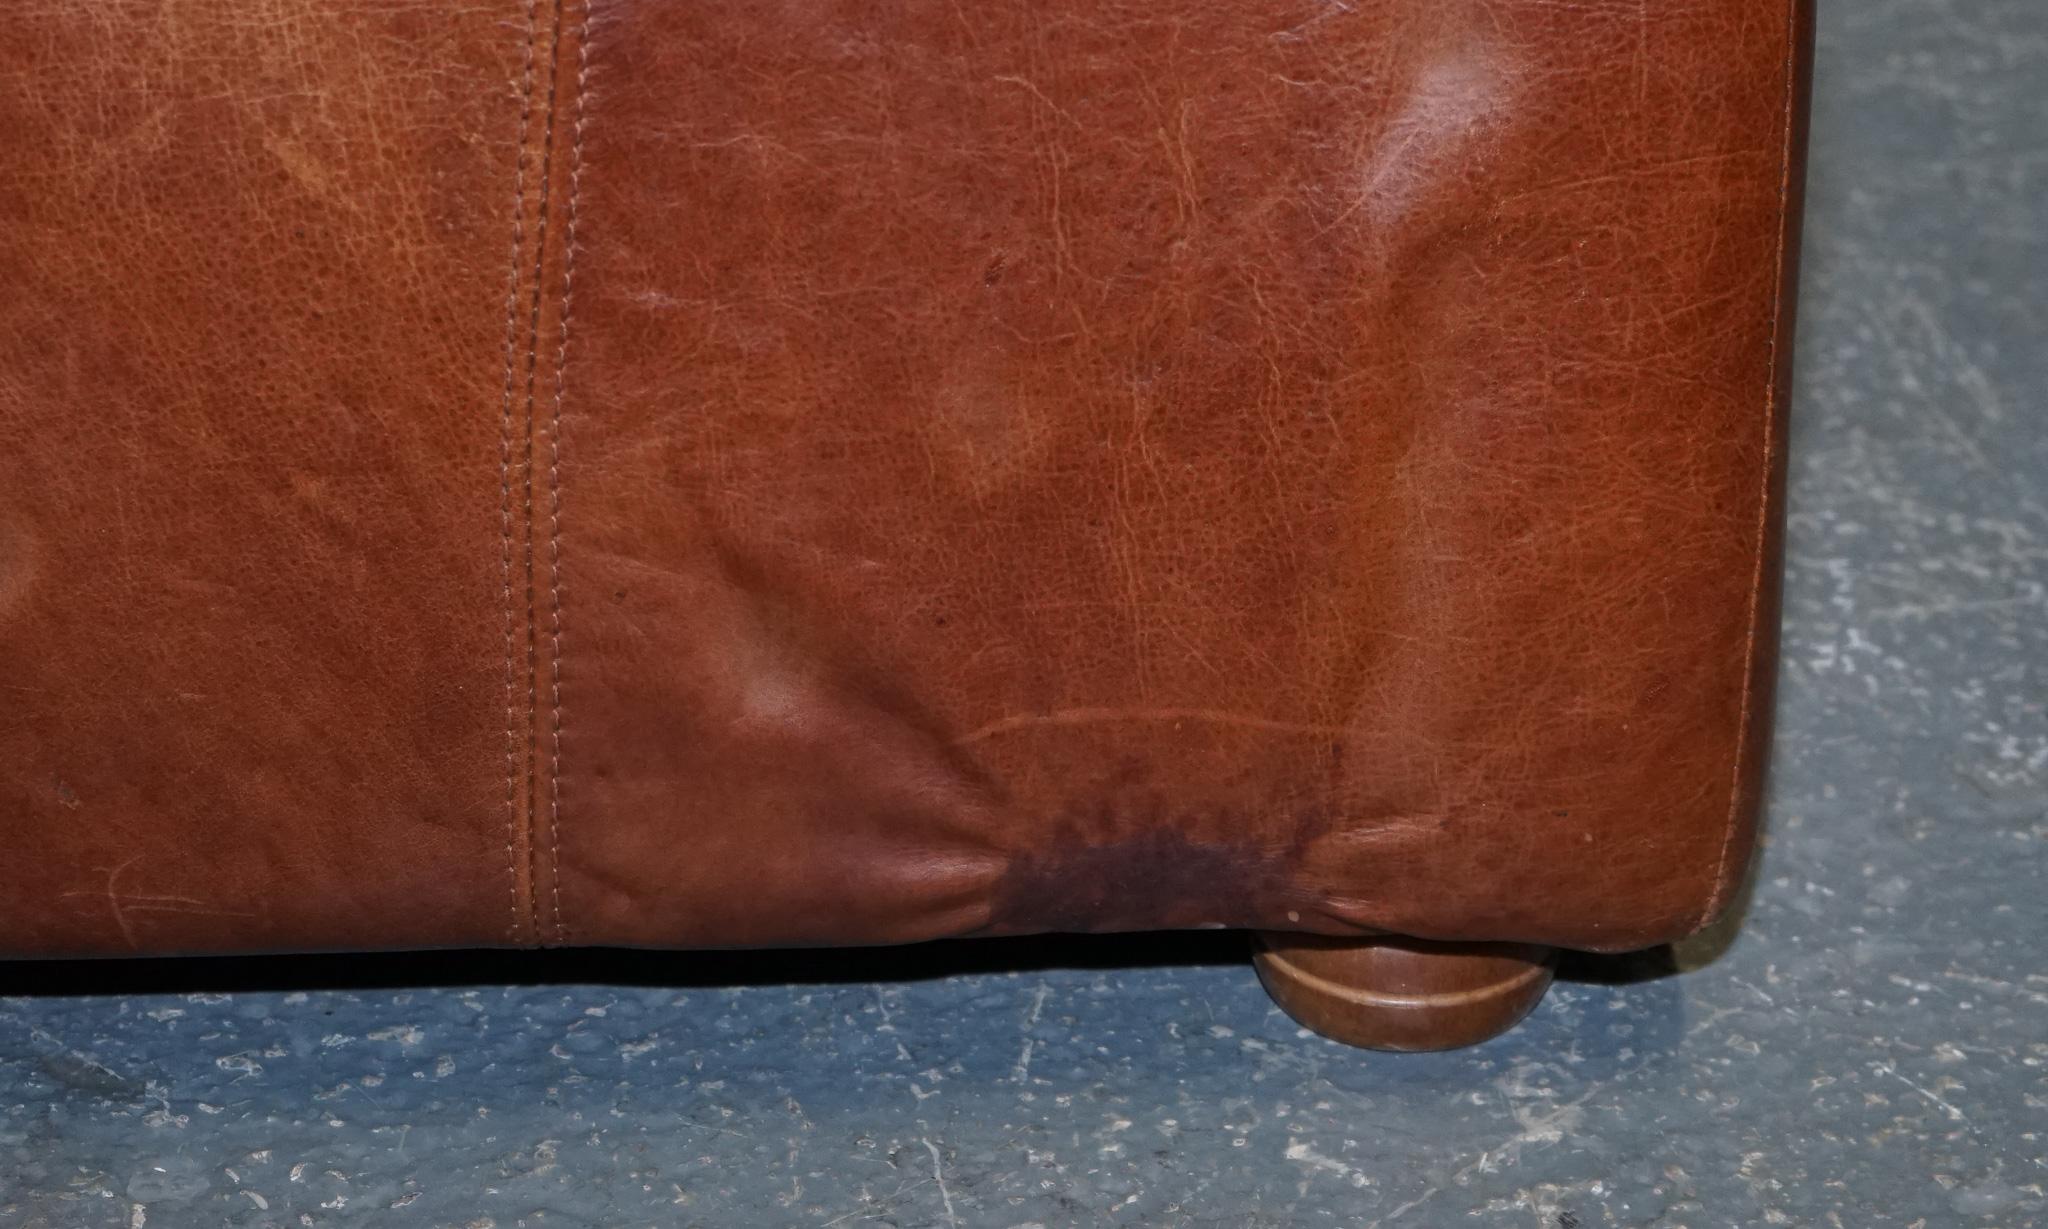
(505, 462)
(540, 250)
(555, 473)
(1717, 892)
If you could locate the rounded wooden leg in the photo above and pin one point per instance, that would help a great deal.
(1391, 993)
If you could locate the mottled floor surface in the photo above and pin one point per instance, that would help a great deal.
(1869, 1046)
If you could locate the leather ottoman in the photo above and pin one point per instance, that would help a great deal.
(739, 473)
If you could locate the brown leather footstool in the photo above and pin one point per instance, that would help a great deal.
(728, 474)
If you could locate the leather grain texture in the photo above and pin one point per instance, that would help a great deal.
(251, 349)
(733, 473)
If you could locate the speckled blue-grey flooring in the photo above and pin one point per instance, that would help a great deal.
(1866, 1044)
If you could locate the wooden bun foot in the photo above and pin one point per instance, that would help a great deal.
(1391, 993)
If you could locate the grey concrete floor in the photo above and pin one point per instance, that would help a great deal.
(1867, 1044)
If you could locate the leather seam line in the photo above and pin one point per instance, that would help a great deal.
(542, 227)
(512, 831)
(1718, 890)
(561, 928)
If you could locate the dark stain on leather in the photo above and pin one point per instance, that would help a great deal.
(1157, 877)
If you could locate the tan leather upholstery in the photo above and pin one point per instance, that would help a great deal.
(739, 473)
